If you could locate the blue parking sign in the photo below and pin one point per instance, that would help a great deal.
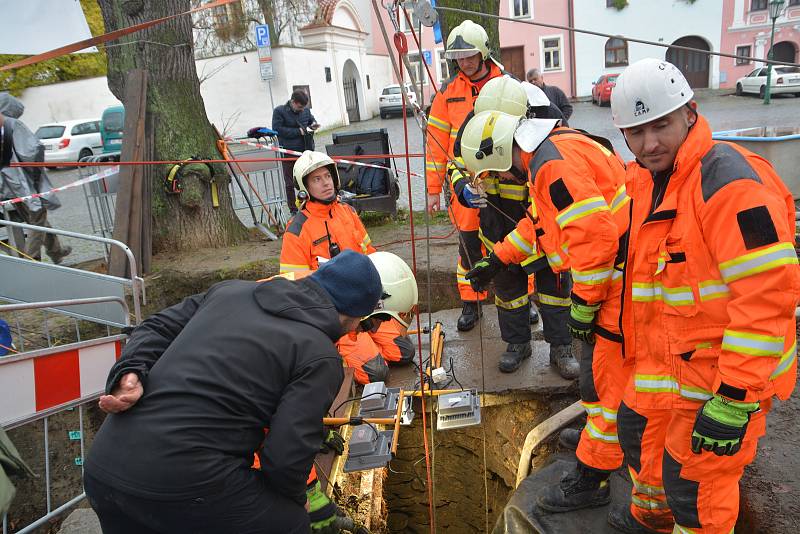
(262, 35)
(427, 56)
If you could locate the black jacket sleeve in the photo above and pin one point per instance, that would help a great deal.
(151, 338)
(281, 123)
(563, 103)
(295, 430)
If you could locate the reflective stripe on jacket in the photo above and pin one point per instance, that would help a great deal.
(711, 279)
(307, 239)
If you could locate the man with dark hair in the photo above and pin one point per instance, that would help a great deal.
(295, 126)
(555, 94)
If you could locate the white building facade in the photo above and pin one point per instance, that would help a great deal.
(695, 24)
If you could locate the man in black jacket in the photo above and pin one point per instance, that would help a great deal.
(295, 126)
(194, 390)
(555, 94)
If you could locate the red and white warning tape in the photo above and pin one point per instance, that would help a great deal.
(93, 178)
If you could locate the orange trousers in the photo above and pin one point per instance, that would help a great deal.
(674, 489)
(369, 352)
(602, 383)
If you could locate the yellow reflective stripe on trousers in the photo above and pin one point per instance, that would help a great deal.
(620, 199)
(554, 301)
(292, 267)
(579, 210)
(460, 275)
(438, 123)
(596, 433)
(435, 166)
(648, 503)
(674, 296)
(786, 362)
(593, 277)
(512, 304)
(596, 410)
(752, 344)
(520, 243)
(758, 262)
(668, 384)
(647, 489)
(713, 289)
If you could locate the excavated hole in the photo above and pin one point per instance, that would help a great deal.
(458, 471)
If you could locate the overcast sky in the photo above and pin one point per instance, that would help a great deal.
(35, 26)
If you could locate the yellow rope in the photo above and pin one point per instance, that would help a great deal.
(17, 250)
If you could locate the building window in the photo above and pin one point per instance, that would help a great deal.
(616, 52)
(551, 53)
(404, 23)
(419, 69)
(520, 9)
(444, 66)
(743, 51)
(794, 2)
(758, 5)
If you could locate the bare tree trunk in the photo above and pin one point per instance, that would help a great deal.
(176, 123)
(451, 19)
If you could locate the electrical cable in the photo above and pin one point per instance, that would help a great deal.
(353, 399)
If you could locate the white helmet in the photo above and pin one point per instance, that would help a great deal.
(536, 97)
(503, 94)
(647, 90)
(467, 39)
(400, 293)
(310, 161)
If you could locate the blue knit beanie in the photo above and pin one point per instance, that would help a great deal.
(352, 282)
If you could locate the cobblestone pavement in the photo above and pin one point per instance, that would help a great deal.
(724, 112)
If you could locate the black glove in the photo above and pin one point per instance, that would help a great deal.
(332, 441)
(484, 271)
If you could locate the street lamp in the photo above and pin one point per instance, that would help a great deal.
(775, 10)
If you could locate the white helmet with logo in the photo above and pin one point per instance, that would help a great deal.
(400, 293)
(467, 39)
(647, 90)
(310, 161)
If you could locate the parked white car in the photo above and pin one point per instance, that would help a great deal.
(784, 80)
(391, 101)
(70, 140)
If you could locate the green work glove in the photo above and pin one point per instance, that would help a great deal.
(332, 441)
(720, 426)
(581, 321)
(484, 271)
(321, 511)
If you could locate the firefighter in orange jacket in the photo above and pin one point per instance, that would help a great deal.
(578, 199)
(468, 45)
(503, 202)
(318, 232)
(711, 285)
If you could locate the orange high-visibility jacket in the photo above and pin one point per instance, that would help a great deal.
(711, 279)
(306, 237)
(454, 101)
(576, 217)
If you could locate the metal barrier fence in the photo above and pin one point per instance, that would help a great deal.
(263, 182)
(101, 197)
(65, 344)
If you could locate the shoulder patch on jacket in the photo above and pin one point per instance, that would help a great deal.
(721, 166)
(547, 151)
(296, 226)
(560, 195)
(757, 227)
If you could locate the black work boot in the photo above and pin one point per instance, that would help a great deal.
(621, 518)
(534, 315)
(512, 358)
(469, 316)
(569, 438)
(562, 359)
(583, 487)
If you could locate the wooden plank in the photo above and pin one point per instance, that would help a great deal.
(326, 462)
(135, 103)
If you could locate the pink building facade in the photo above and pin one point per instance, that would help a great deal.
(745, 31)
(523, 46)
